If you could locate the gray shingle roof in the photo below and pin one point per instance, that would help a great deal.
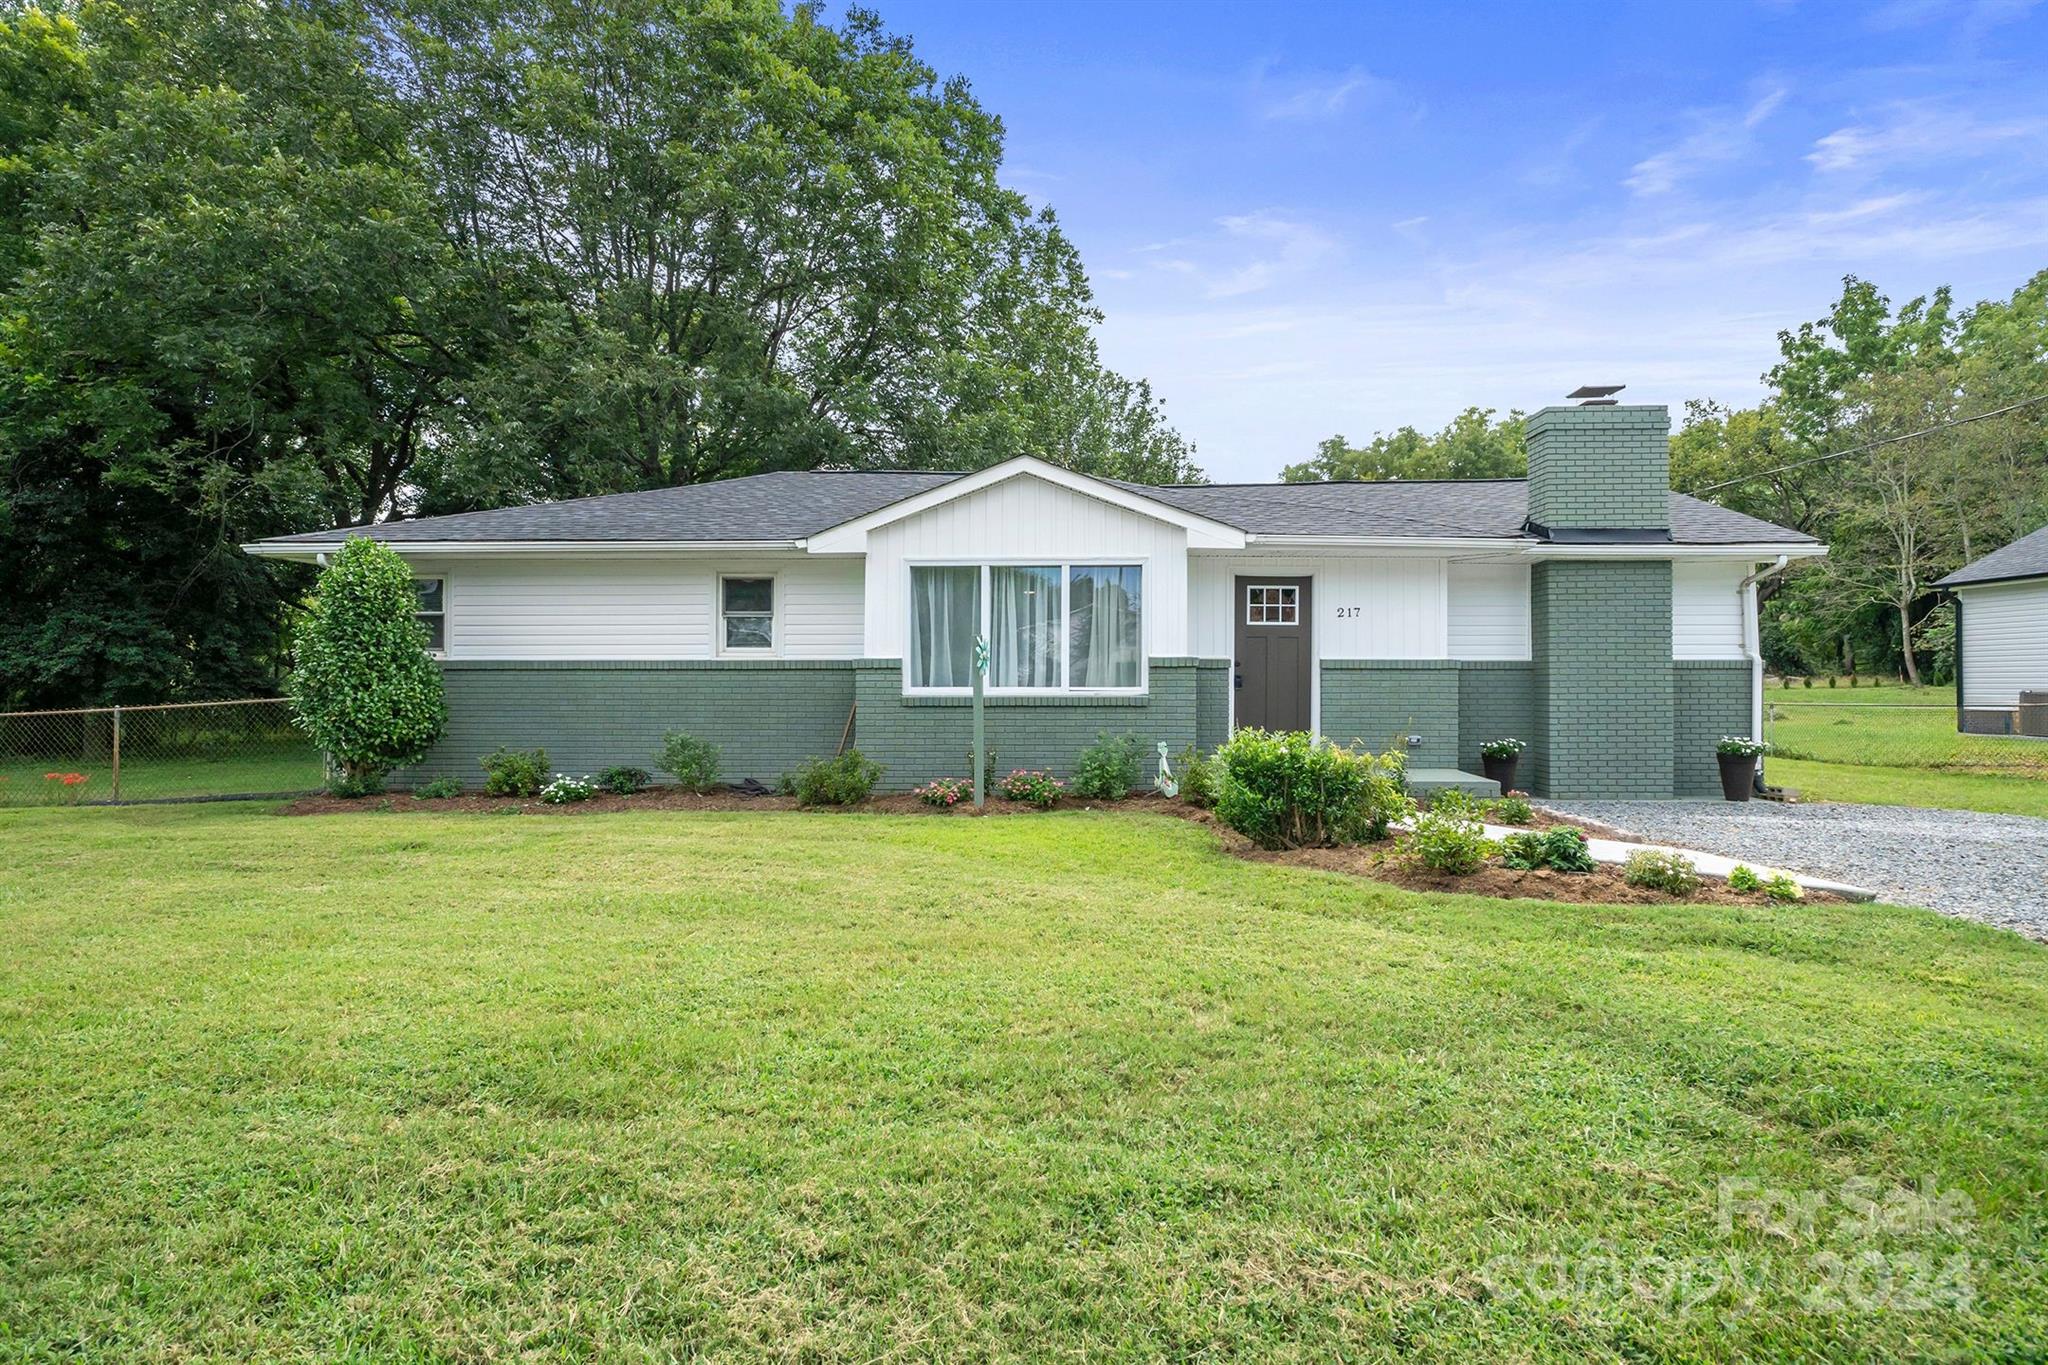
(1473, 508)
(796, 504)
(782, 506)
(2026, 557)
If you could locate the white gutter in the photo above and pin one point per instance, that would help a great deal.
(265, 549)
(1667, 550)
(1752, 645)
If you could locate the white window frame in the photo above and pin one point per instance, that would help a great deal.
(1066, 566)
(725, 651)
(442, 579)
(1251, 588)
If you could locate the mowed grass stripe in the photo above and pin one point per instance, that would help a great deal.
(463, 1086)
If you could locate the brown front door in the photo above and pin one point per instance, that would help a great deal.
(1275, 653)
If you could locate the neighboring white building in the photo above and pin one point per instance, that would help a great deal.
(2002, 637)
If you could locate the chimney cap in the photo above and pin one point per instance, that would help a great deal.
(1596, 395)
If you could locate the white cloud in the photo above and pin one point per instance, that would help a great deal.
(1917, 132)
(1279, 248)
(1306, 98)
(1683, 310)
(1717, 137)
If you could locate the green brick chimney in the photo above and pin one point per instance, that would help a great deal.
(1599, 484)
(1604, 469)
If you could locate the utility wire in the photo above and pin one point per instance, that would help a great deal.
(1873, 445)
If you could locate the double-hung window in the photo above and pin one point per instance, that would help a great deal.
(746, 615)
(1049, 627)
(433, 611)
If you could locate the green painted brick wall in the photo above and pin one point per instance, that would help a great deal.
(920, 738)
(1600, 467)
(1496, 700)
(1601, 636)
(1376, 703)
(1710, 698)
(764, 716)
(1212, 703)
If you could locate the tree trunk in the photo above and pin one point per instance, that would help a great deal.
(1906, 645)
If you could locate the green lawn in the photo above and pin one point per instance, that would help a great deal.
(1898, 746)
(865, 1087)
(255, 770)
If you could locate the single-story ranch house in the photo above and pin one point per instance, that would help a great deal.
(1587, 609)
(2002, 639)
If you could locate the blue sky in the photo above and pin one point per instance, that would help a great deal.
(1308, 219)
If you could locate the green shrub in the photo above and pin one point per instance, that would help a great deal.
(1831, 680)
(1197, 777)
(1562, 849)
(1503, 748)
(1033, 788)
(515, 772)
(1744, 879)
(1782, 890)
(623, 781)
(1289, 790)
(1807, 681)
(357, 785)
(1109, 768)
(362, 685)
(1512, 809)
(843, 781)
(1449, 838)
(440, 789)
(1661, 871)
(692, 762)
(565, 790)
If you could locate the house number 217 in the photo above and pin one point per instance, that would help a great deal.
(1344, 612)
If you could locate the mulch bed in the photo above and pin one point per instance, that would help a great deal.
(1384, 862)
(675, 798)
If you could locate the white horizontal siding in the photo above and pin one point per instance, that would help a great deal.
(1489, 611)
(1026, 519)
(2005, 643)
(608, 606)
(1707, 609)
(1364, 607)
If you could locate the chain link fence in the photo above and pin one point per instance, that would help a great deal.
(191, 751)
(1886, 735)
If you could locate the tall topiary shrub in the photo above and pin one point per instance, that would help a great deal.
(363, 686)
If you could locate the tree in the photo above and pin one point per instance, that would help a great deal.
(364, 688)
(1472, 446)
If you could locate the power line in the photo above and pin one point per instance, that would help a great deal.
(1873, 445)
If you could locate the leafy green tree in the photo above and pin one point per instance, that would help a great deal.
(1472, 446)
(364, 687)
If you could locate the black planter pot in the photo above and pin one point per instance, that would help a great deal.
(1738, 775)
(1501, 770)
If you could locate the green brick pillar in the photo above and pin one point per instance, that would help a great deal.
(1601, 637)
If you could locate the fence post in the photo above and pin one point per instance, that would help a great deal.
(117, 755)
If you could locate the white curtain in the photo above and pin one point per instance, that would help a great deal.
(1105, 626)
(1024, 626)
(945, 614)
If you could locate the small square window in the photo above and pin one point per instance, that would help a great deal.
(1272, 604)
(746, 610)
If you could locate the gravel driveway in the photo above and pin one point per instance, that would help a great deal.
(1992, 868)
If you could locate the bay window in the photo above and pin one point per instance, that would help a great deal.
(1050, 627)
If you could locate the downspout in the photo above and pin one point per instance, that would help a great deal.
(1752, 645)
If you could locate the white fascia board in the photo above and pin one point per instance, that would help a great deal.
(1435, 545)
(304, 550)
(1753, 552)
(850, 537)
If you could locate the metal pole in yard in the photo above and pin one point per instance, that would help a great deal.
(980, 734)
(117, 754)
